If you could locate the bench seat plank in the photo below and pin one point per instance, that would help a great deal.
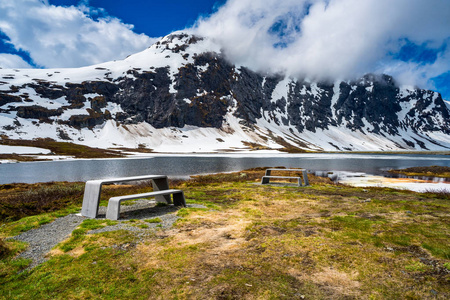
(147, 195)
(113, 210)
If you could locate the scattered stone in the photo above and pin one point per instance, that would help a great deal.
(41, 240)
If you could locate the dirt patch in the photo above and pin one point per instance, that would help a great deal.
(337, 282)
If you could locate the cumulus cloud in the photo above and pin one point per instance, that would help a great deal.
(57, 36)
(332, 39)
(10, 61)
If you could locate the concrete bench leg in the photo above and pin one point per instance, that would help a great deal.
(113, 210)
(91, 199)
(159, 185)
(265, 180)
(178, 199)
(305, 178)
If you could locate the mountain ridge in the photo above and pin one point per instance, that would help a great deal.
(182, 95)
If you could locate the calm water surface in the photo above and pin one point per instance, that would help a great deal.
(181, 166)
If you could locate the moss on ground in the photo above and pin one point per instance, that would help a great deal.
(433, 171)
(326, 241)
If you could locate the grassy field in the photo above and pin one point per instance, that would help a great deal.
(325, 241)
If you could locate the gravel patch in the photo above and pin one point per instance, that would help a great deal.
(143, 210)
(41, 240)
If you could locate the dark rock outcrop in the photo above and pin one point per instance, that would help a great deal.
(37, 112)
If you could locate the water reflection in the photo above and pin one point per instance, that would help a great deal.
(182, 166)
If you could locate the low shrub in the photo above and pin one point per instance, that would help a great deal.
(4, 250)
(40, 199)
(438, 193)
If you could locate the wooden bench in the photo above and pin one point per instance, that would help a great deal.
(93, 190)
(266, 178)
(113, 210)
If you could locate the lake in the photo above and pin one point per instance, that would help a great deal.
(181, 166)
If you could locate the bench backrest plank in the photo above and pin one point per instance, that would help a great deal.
(268, 174)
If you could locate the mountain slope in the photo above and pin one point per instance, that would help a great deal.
(182, 95)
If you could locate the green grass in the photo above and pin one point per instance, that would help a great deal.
(78, 235)
(154, 220)
(251, 242)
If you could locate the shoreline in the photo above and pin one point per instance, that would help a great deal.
(27, 157)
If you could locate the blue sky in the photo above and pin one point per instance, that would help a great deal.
(319, 39)
(154, 18)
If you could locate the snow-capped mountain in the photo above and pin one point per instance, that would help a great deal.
(182, 95)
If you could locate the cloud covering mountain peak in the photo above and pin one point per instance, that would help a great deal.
(332, 39)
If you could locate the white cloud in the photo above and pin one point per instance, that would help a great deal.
(10, 61)
(318, 39)
(57, 36)
(335, 39)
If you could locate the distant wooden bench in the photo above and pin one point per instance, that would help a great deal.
(93, 189)
(266, 178)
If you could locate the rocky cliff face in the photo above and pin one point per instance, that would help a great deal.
(184, 83)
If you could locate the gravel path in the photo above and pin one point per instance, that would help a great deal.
(41, 240)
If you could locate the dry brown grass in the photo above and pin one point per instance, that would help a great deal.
(58, 148)
(432, 171)
(21, 200)
(282, 241)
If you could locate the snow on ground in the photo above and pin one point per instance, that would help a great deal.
(411, 184)
(4, 149)
(281, 90)
(188, 139)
